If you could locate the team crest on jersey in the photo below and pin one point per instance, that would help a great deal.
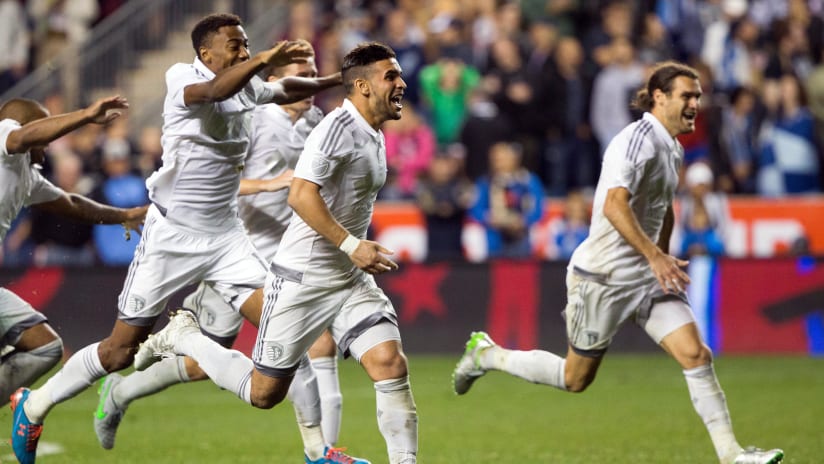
(320, 166)
(136, 303)
(274, 351)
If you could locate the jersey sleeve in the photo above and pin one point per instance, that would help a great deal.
(262, 91)
(42, 190)
(625, 160)
(7, 126)
(178, 77)
(327, 148)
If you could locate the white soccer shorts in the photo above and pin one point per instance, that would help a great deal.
(168, 259)
(15, 316)
(295, 315)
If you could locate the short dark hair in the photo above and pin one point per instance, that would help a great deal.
(209, 26)
(22, 110)
(663, 75)
(355, 62)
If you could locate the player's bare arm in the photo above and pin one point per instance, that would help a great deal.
(295, 88)
(42, 131)
(667, 268)
(305, 199)
(275, 184)
(89, 211)
(232, 79)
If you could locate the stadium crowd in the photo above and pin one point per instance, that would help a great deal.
(546, 81)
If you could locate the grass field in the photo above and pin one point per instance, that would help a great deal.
(638, 411)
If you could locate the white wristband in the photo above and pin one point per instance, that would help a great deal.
(349, 244)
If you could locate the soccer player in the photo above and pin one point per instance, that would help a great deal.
(323, 270)
(623, 269)
(26, 129)
(278, 135)
(192, 232)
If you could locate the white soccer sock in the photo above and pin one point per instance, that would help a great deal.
(534, 366)
(303, 393)
(229, 369)
(22, 368)
(331, 400)
(158, 377)
(79, 372)
(711, 405)
(397, 419)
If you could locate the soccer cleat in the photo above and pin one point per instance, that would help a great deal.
(752, 455)
(108, 415)
(162, 343)
(24, 434)
(468, 369)
(336, 456)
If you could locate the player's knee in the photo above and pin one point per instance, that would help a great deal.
(115, 358)
(391, 365)
(695, 356)
(578, 383)
(267, 399)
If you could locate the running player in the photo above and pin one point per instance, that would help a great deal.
(322, 273)
(623, 270)
(192, 231)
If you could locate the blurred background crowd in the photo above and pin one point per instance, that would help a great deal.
(509, 106)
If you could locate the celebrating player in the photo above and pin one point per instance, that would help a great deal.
(323, 268)
(623, 270)
(192, 230)
(278, 135)
(25, 131)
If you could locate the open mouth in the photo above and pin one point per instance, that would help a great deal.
(397, 101)
(690, 117)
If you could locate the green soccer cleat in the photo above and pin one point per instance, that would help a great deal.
(468, 369)
(752, 455)
(108, 415)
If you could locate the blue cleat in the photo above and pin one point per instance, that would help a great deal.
(24, 434)
(336, 456)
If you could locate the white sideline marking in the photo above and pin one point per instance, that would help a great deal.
(44, 448)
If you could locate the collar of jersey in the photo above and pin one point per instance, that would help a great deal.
(350, 107)
(201, 68)
(662, 133)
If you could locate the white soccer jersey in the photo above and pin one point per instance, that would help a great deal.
(21, 184)
(204, 147)
(643, 158)
(275, 147)
(346, 157)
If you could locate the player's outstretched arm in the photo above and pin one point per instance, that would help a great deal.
(305, 199)
(86, 210)
(667, 268)
(41, 132)
(253, 186)
(232, 79)
(293, 88)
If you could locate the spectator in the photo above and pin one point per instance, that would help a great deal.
(738, 139)
(571, 156)
(445, 87)
(509, 202)
(513, 90)
(149, 151)
(789, 160)
(443, 196)
(655, 44)
(410, 147)
(14, 35)
(123, 189)
(485, 126)
(406, 38)
(704, 215)
(568, 232)
(612, 91)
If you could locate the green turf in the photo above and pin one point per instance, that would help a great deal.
(638, 411)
